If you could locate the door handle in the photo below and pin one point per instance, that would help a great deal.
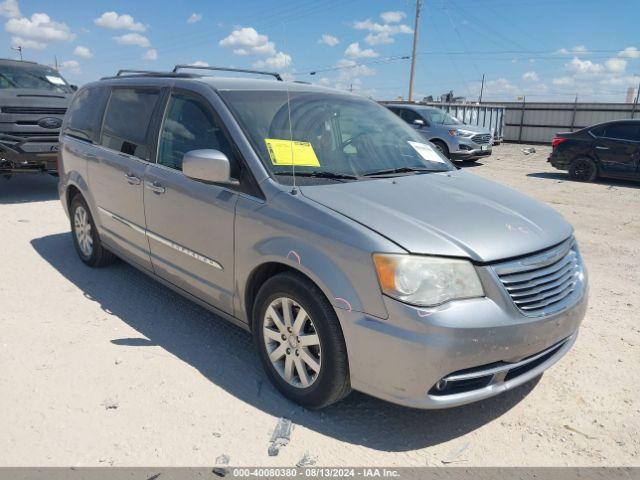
(602, 148)
(155, 187)
(132, 179)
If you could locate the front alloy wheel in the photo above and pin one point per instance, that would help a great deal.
(299, 341)
(292, 342)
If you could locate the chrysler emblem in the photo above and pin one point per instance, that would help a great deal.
(50, 122)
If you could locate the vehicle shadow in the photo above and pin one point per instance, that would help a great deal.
(224, 354)
(614, 182)
(469, 164)
(26, 188)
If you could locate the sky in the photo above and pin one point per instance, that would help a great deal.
(546, 50)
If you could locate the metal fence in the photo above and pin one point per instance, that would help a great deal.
(536, 122)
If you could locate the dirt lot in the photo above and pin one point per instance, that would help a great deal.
(107, 367)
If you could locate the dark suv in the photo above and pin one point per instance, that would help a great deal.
(609, 149)
(33, 101)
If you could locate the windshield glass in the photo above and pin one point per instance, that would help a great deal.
(334, 133)
(33, 76)
(437, 116)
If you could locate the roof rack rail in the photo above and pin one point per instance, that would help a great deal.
(225, 69)
(149, 72)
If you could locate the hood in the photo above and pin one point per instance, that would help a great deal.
(470, 128)
(24, 97)
(451, 213)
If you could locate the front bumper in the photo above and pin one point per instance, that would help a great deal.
(403, 358)
(462, 148)
(28, 154)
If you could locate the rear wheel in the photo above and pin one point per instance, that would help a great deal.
(583, 169)
(300, 342)
(85, 235)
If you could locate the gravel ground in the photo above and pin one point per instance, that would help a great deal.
(107, 367)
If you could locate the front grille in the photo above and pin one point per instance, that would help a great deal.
(482, 138)
(35, 110)
(539, 283)
(51, 133)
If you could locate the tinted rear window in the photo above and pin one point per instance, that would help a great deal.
(127, 120)
(85, 114)
(623, 131)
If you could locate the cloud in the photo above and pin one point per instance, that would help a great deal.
(577, 50)
(247, 41)
(564, 81)
(329, 40)
(584, 67)
(629, 52)
(83, 52)
(10, 9)
(39, 28)
(530, 76)
(279, 60)
(72, 66)
(24, 43)
(151, 54)
(354, 51)
(392, 17)
(194, 18)
(199, 63)
(616, 65)
(133, 39)
(119, 22)
(350, 69)
(381, 33)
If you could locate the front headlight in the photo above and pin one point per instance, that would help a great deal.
(460, 133)
(426, 281)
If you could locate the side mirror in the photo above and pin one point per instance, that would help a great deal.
(74, 88)
(419, 123)
(211, 166)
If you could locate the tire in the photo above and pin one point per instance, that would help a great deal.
(440, 145)
(85, 235)
(330, 383)
(583, 169)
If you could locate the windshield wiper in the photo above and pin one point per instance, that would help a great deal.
(389, 171)
(321, 174)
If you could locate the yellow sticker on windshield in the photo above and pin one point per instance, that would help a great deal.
(287, 152)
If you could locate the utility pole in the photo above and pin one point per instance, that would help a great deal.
(635, 103)
(481, 89)
(55, 59)
(19, 50)
(415, 44)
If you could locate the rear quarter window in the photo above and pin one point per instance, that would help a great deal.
(84, 115)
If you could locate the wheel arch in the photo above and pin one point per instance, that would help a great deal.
(322, 272)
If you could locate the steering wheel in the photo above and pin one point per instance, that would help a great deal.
(349, 141)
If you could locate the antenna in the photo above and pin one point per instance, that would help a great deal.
(294, 190)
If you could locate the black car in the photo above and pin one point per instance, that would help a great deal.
(609, 149)
(33, 102)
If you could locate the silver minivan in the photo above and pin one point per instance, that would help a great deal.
(354, 252)
(455, 139)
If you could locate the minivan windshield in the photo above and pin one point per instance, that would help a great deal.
(439, 117)
(33, 76)
(335, 137)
